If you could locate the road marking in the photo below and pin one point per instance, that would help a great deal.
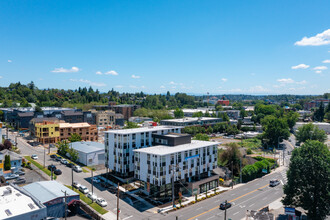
(211, 217)
(282, 182)
(229, 201)
(264, 198)
(235, 213)
(199, 208)
(128, 217)
(251, 205)
(232, 194)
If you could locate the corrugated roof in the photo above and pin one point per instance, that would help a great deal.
(88, 146)
(46, 191)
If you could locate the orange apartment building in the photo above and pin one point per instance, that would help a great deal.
(86, 131)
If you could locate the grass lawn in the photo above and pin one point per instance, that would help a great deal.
(44, 169)
(89, 202)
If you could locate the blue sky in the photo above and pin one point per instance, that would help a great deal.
(220, 47)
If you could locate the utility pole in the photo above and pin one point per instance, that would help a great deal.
(173, 197)
(225, 210)
(232, 174)
(118, 201)
(66, 205)
(240, 170)
(92, 181)
(44, 157)
(52, 173)
(72, 178)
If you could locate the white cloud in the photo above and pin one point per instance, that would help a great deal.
(119, 86)
(301, 82)
(143, 87)
(257, 89)
(172, 83)
(162, 87)
(317, 40)
(111, 72)
(133, 87)
(318, 71)
(73, 69)
(288, 80)
(89, 82)
(9, 61)
(224, 79)
(300, 66)
(320, 68)
(1, 77)
(136, 77)
(326, 61)
(99, 73)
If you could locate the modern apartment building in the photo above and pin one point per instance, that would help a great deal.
(106, 118)
(187, 121)
(119, 146)
(47, 132)
(86, 131)
(188, 162)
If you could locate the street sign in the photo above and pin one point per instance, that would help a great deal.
(191, 157)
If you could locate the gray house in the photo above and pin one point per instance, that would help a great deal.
(90, 153)
(15, 159)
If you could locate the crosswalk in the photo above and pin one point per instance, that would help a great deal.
(285, 178)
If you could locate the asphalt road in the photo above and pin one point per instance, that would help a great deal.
(251, 196)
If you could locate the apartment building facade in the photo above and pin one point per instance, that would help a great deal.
(190, 121)
(106, 118)
(119, 146)
(86, 131)
(188, 162)
(47, 132)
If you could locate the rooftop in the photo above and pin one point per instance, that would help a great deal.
(14, 203)
(46, 191)
(191, 119)
(87, 146)
(13, 155)
(74, 125)
(164, 150)
(142, 129)
(66, 113)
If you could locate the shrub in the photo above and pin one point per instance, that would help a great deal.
(249, 151)
(193, 202)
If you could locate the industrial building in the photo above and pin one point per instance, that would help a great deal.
(90, 153)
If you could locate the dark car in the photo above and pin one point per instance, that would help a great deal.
(58, 172)
(70, 165)
(52, 167)
(53, 156)
(58, 158)
(225, 205)
(19, 180)
(20, 173)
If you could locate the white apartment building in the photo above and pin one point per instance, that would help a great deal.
(192, 163)
(119, 146)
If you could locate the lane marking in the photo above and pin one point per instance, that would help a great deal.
(229, 201)
(211, 217)
(235, 213)
(282, 182)
(251, 205)
(128, 217)
(199, 208)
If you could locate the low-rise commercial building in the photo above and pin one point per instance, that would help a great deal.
(89, 153)
(321, 125)
(187, 121)
(53, 196)
(119, 146)
(188, 162)
(16, 203)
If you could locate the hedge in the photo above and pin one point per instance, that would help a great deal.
(250, 172)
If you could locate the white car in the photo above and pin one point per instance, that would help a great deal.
(101, 202)
(92, 196)
(77, 169)
(83, 189)
(96, 180)
(34, 156)
(76, 184)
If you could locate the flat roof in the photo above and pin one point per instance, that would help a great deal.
(15, 202)
(88, 146)
(74, 125)
(142, 129)
(46, 191)
(164, 150)
(191, 119)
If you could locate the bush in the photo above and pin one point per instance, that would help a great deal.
(193, 202)
(249, 151)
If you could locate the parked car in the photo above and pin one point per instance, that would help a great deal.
(53, 156)
(92, 196)
(225, 205)
(58, 158)
(83, 189)
(274, 182)
(71, 165)
(76, 184)
(58, 172)
(101, 202)
(20, 180)
(77, 169)
(52, 167)
(11, 176)
(51, 145)
(64, 161)
(20, 173)
(34, 156)
(96, 180)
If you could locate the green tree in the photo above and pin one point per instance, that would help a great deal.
(7, 164)
(310, 132)
(74, 137)
(275, 130)
(198, 114)
(63, 147)
(308, 183)
(38, 109)
(178, 113)
(319, 113)
(202, 137)
(130, 125)
(73, 154)
(231, 156)
(291, 118)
